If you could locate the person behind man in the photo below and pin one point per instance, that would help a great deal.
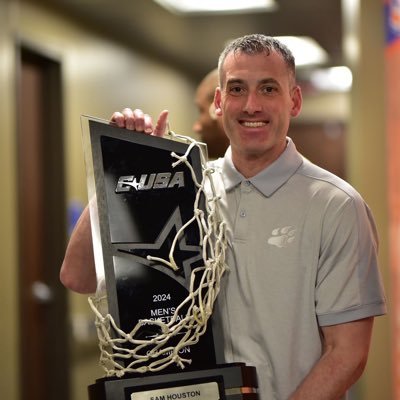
(208, 125)
(299, 299)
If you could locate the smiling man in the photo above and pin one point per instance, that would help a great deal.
(303, 287)
(256, 99)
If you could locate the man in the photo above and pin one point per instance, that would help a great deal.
(208, 126)
(303, 287)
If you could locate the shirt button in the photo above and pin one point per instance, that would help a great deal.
(247, 183)
(242, 213)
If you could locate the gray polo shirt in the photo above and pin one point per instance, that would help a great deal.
(302, 254)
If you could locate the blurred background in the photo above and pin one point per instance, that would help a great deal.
(60, 59)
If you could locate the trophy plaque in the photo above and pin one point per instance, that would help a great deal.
(158, 244)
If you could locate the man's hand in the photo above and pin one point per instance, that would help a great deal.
(137, 120)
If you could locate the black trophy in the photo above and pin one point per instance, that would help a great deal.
(157, 239)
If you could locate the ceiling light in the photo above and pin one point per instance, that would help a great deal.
(216, 6)
(306, 50)
(335, 79)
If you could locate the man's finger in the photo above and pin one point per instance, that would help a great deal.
(148, 124)
(138, 120)
(131, 118)
(161, 125)
(119, 119)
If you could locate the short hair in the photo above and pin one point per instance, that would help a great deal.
(256, 44)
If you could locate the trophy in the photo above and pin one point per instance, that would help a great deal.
(159, 244)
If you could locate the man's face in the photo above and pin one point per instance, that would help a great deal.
(208, 125)
(257, 99)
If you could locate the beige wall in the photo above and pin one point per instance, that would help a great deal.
(98, 77)
(8, 264)
(367, 170)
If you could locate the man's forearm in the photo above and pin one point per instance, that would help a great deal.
(329, 379)
(341, 365)
(78, 271)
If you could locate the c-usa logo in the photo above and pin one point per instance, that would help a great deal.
(161, 180)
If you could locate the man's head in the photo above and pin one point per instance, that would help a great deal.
(256, 98)
(257, 44)
(208, 125)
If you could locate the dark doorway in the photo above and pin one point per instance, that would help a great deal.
(42, 232)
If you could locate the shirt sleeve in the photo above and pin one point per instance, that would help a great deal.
(348, 285)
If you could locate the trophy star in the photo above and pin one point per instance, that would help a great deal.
(134, 184)
(186, 255)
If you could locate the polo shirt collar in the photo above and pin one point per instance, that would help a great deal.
(271, 178)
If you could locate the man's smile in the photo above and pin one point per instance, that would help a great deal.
(253, 124)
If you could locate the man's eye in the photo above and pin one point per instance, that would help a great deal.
(269, 89)
(235, 90)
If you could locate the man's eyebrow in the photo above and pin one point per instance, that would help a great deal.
(261, 81)
(268, 80)
(234, 80)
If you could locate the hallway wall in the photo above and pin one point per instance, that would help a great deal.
(367, 169)
(8, 242)
(99, 76)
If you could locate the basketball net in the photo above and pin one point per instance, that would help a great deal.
(120, 352)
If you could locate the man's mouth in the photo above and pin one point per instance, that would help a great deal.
(253, 124)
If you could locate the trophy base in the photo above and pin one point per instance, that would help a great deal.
(224, 382)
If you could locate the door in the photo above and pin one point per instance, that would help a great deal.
(43, 306)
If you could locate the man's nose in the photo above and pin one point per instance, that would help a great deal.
(253, 103)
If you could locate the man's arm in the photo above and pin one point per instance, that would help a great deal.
(78, 269)
(344, 357)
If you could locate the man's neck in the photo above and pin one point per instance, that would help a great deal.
(250, 165)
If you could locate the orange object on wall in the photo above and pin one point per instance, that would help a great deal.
(392, 65)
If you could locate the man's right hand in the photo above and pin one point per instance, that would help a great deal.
(78, 269)
(137, 120)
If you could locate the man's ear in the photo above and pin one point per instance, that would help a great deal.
(217, 101)
(297, 101)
